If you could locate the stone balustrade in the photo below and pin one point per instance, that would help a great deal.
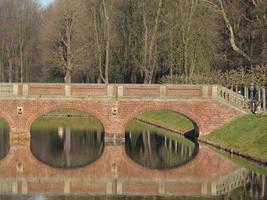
(232, 98)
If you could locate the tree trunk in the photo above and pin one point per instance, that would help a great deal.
(133, 76)
(107, 42)
(68, 69)
(98, 48)
(147, 77)
(264, 99)
(246, 92)
(10, 71)
(232, 36)
(171, 57)
(21, 61)
(149, 60)
(145, 45)
(67, 78)
(1, 70)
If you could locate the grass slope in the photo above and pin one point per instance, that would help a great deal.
(247, 134)
(168, 119)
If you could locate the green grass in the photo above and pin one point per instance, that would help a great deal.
(76, 123)
(3, 122)
(247, 134)
(168, 119)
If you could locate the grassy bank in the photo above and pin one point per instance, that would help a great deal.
(168, 119)
(247, 134)
(75, 123)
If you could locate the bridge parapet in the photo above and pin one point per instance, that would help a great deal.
(57, 90)
(123, 91)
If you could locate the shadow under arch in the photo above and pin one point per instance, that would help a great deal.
(4, 138)
(70, 139)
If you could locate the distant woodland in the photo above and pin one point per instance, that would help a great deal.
(134, 41)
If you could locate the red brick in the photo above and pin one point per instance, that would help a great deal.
(39, 90)
(175, 91)
(88, 90)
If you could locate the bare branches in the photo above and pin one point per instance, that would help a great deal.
(149, 42)
(232, 36)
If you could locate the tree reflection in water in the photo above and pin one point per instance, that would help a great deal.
(66, 145)
(151, 149)
(4, 138)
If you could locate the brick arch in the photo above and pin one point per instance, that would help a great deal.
(8, 119)
(189, 114)
(57, 106)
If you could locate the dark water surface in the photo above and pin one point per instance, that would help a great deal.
(67, 143)
(155, 149)
(4, 138)
(152, 165)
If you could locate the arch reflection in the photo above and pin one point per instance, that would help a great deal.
(67, 142)
(4, 138)
(158, 149)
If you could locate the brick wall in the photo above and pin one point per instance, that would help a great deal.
(88, 90)
(52, 90)
(206, 114)
(141, 90)
(178, 91)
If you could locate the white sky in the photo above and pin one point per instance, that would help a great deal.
(45, 2)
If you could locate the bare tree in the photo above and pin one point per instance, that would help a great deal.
(19, 19)
(102, 20)
(63, 43)
(232, 35)
(149, 62)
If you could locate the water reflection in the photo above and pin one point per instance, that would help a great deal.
(209, 175)
(148, 146)
(67, 143)
(254, 189)
(4, 138)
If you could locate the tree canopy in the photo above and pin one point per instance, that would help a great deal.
(134, 41)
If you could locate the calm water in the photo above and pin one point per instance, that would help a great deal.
(152, 148)
(153, 164)
(66, 145)
(4, 138)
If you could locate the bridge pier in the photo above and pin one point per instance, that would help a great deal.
(20, 138)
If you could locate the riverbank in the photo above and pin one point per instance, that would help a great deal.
(245, 136)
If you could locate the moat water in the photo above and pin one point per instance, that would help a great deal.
(68, 158)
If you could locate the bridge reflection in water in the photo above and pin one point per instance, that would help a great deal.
(115, 173)
(148, 164)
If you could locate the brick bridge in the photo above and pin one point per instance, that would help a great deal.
(207, 106)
